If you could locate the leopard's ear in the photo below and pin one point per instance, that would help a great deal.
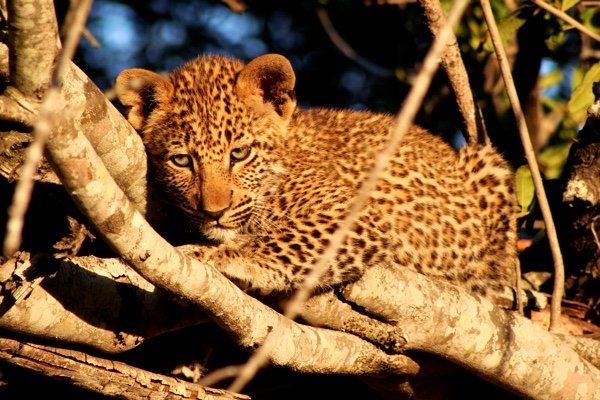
(140, 91)
(267, 82)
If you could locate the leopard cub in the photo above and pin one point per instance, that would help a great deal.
(270, 182)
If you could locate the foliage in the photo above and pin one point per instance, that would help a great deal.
(161, 35)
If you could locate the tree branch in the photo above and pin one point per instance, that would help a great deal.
(115, 141)
(454, 66)
(567, 18)
(99, 303)
(499, 345)
(559, 269)
(107, 377)
(33, 45)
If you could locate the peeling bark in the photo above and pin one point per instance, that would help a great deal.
(111, 378)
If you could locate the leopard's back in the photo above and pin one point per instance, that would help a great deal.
(441, 212)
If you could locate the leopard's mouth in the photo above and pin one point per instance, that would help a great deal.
(218, 232)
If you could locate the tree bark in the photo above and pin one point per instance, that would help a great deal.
(110, 378)
(454, 66)
(99, 303)
(499, 345)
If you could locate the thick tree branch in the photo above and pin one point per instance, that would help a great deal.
(107, 377)
(115, 141)
(15, 107)
(33, 45)
(99, 303)
(51, 106)
(499, 345)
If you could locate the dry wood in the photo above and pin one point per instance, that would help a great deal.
(559, 268)
(454, 66)
(90, 301)
(107, 377)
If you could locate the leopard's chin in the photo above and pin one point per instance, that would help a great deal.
(220, 234)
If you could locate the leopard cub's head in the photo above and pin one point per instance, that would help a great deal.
(214, 131)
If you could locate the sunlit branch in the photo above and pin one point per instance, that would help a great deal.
(559, 269)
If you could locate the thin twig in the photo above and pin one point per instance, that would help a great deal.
(219, 375)
(237, 6)
(91, 38)
(593, 229)
(80, 10)
(346, 49)
(559, 269)
(41, 130)
(403, 122)
(567, 18)
(33, 155)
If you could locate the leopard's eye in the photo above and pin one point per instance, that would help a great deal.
(240, 153)
(181, 160)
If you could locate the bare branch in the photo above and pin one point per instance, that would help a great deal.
(237, 6)
(107, 377)
(78, 12)
(51, 106)
(457, 74)
(83, 302)
(14, 107)
(567, 18)
(559, 269)
(113, 138)
(16, 212)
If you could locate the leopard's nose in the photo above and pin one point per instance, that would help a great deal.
(215, 214)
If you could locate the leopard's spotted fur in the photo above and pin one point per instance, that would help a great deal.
(271, 182)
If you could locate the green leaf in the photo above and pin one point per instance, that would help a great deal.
(566, 4)
(507, 27)
(552, 78)
(553, 158)
(525, 189)
(583, 97)
(590, 20)
(577, 76)
(556, 41)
